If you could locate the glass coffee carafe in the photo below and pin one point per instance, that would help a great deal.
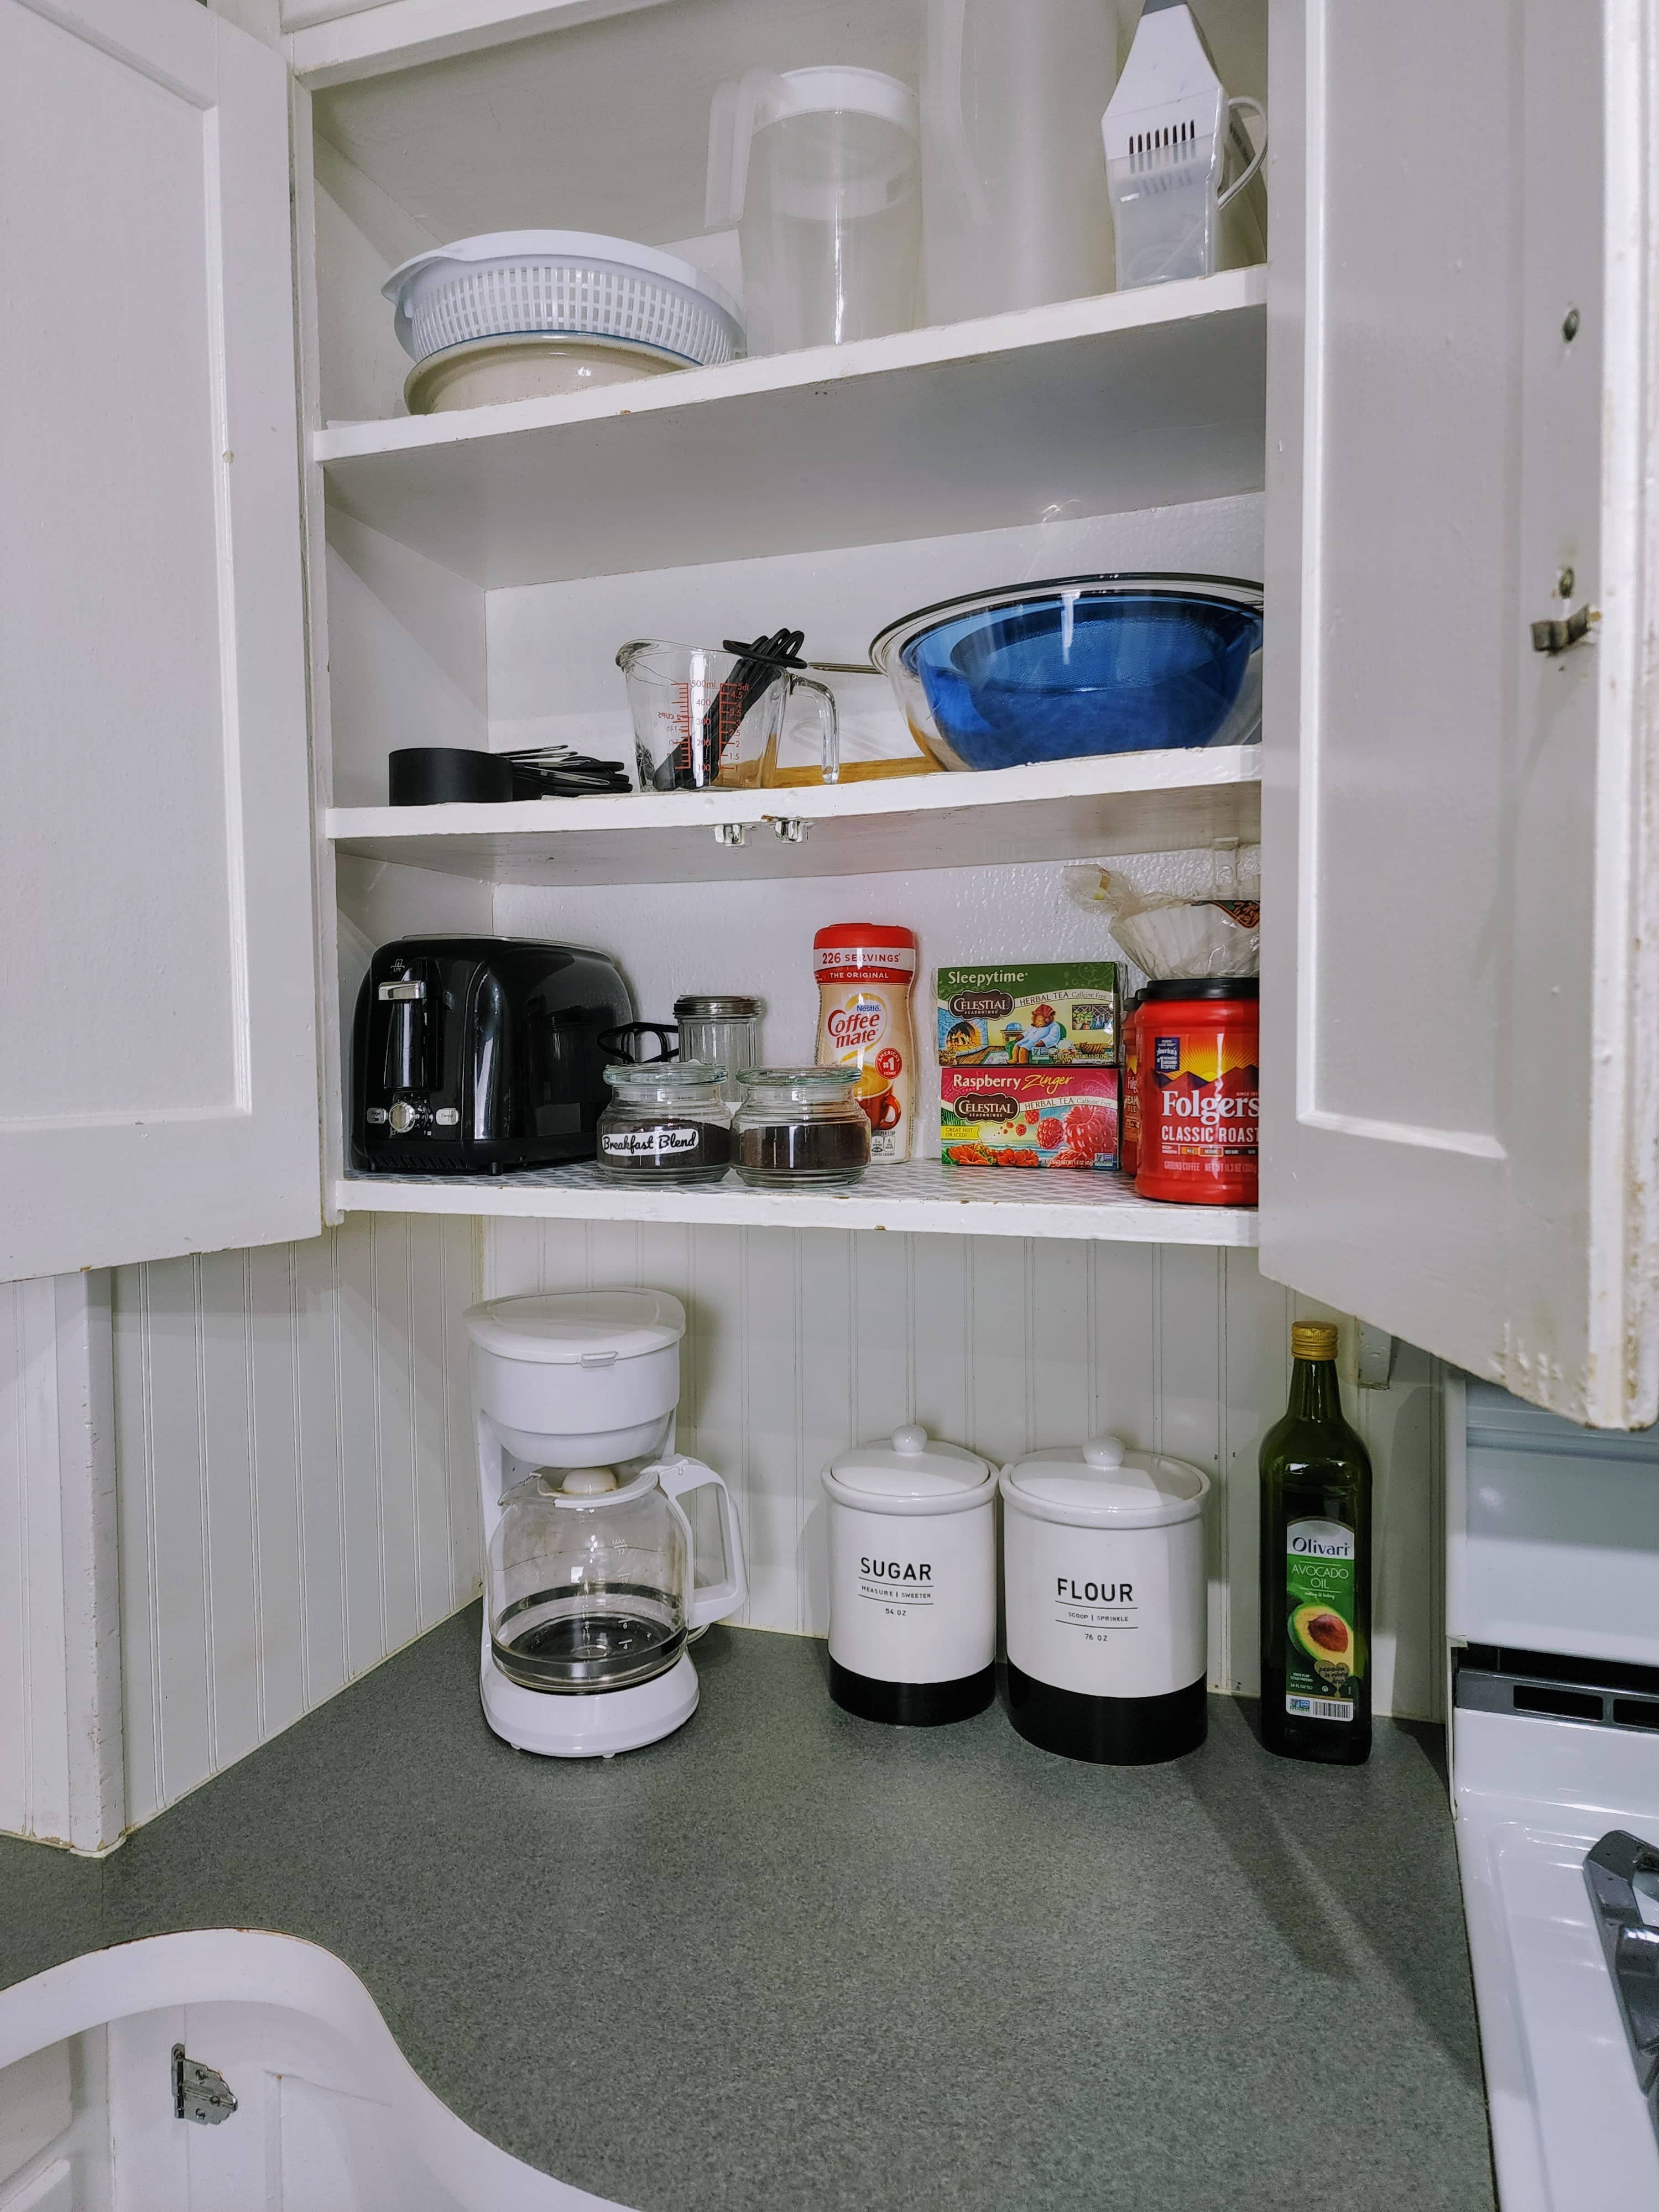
(593, 1575)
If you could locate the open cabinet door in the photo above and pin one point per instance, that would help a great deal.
(1460, 945)
(158, 1089)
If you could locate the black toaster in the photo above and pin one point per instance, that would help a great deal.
(474, 1054)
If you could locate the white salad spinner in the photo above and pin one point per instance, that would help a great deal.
(566, 283)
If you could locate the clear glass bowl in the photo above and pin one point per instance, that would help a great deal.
(668, 1123)
(1081, 666)
(799, 1127)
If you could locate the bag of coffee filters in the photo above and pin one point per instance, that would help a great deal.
(1211, 931)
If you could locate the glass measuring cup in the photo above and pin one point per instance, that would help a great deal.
(705, 718)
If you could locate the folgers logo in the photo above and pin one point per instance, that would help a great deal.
(1232, 1099)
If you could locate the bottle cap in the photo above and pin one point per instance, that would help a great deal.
(1313, 1339)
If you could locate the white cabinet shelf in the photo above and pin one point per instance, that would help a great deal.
(921, 1195)
(1062, 810)
(1132, 400)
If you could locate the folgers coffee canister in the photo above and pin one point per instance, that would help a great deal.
(1200, 1051)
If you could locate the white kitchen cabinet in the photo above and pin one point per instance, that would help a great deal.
(1457, 1072)
(1459, 945)
(158, 1079)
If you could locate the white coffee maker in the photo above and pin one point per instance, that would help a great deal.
(594, 1584)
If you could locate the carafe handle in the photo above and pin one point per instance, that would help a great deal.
(676, 1477)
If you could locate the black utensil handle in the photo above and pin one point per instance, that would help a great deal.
(619, 1041)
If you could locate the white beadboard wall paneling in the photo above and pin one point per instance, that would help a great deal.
(296, 1489)
(61, 1779)
(799, 1342)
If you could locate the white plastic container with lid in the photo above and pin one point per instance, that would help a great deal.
(1104, 1590)
(578, 1378)
(912, 1580)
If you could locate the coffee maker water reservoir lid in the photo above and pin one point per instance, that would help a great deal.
(577, 1328)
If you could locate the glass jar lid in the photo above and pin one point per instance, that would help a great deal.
(692, 1008)
(815, 1085)
(662, 1079)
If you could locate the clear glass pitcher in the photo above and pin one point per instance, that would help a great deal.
(593, 1575)
(820, 170)
(703, 718)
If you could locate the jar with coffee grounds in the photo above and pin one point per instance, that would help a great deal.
(667, 1123)
(800, 1127)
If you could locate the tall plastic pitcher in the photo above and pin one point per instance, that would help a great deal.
(1015, 209)
(820, 170)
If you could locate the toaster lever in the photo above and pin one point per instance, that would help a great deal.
(397, 992)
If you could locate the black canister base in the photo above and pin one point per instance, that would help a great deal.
(911, 1704)
(1109, 1731)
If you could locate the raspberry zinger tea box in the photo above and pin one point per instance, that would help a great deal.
(1029, 1117)
(1052, 1014)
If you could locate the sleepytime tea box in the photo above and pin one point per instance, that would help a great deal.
(1031, 1015)
(1029, 1117)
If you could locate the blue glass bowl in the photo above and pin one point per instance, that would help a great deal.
(1086, 666)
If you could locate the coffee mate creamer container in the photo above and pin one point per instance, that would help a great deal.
(865, 970)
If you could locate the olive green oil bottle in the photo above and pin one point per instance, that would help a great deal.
(1315, 1568)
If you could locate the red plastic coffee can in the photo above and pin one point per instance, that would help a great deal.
(1200, 1055)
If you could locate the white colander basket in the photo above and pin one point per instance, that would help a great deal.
(564, 283)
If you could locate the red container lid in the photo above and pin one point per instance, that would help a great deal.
(842, 935)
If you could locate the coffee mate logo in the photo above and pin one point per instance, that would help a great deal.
(857, 1024)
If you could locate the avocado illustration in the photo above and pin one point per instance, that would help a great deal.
(1324, 1636)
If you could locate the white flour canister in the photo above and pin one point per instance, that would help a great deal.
(1104, 1588)
(912, 1580)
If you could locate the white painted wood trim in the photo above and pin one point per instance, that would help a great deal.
(919, 1195)
(1194, 298)
(369, 40)
(1622, 1386)
(62, 1761)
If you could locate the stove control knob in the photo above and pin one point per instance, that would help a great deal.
(404, 1118)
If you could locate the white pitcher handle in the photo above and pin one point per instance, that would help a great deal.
(1255, 109)
(677, 1477)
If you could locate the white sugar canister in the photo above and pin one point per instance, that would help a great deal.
(1104, 1593)
(912, 1580)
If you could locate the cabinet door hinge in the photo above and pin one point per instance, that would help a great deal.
(199, 2093)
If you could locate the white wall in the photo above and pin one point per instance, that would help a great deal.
(296, 1493)
(802, 1340)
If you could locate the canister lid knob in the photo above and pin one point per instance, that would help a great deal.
(912, 1437)
(1104, 1452)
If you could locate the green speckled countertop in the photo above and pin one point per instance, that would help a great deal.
(788, 1960)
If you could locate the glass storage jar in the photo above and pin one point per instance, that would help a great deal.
(668, 1123)
(800, 1126)
(724, 1030)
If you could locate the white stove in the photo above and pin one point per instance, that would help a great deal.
(1553, 1609)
